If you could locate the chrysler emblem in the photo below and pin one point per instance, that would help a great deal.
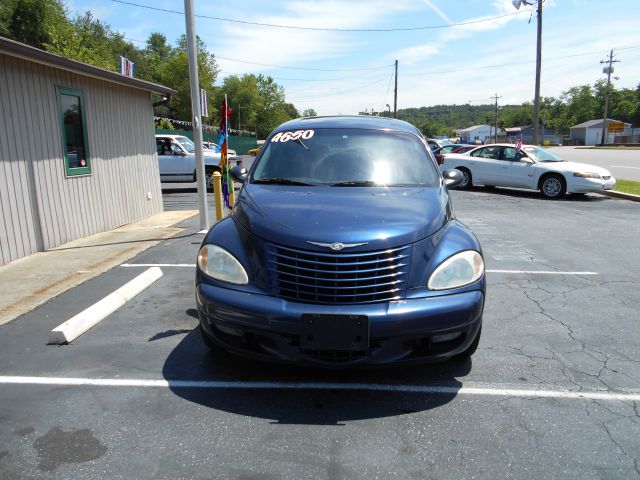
(337, 246)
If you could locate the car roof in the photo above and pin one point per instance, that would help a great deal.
(504, 145)
(349, 121)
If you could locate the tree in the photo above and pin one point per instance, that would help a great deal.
(309, 112)
(34, 22)
(174, 72)
(243, 97)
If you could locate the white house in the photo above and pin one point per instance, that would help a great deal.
(477, 133)
(590, 132)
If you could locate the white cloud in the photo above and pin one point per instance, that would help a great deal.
(291, 47)
(433, 7)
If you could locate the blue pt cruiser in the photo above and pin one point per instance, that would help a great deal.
(342, 250)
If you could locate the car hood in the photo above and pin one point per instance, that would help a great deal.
(574, 167)
(380, 217)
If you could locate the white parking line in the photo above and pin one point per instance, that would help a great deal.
(523, 272)
(541, 272)
(476, 390)
(190, 265)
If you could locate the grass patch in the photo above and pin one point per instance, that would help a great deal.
(628, 186)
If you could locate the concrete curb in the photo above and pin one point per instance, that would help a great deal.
(90, 317)
(31, 281)
(626, 196)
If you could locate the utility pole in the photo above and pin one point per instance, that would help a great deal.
(536, 100)
(495, 132)
(608, 70)
(195, 109)
(395, 94)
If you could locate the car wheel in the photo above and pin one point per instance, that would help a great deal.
(471, 349)
(208, 179)
(553, 186)
(467, 182)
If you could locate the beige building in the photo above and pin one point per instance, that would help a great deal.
(77, 150)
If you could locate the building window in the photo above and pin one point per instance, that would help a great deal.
(74, 131)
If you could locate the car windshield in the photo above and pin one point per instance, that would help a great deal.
(542, 155)
(345, 157)
(186, 143)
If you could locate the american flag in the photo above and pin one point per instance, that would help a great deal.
(126, 67)
(518, 145)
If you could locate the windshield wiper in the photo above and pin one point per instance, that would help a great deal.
(280, 181)
(299, 141)
(353, 183)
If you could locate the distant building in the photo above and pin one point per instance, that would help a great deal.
(590, 132)
(77, 150)
(477, 134)
(511, 134)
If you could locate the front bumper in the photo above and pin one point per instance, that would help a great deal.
(403, 331)
(591, 185)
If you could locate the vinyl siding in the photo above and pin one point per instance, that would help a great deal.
(47, 208)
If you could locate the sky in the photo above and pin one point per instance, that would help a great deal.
(448, 51)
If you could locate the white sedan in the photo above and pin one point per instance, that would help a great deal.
(501, 165)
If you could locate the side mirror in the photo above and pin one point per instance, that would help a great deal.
(452, 178)
(238, 173)
(526, 160)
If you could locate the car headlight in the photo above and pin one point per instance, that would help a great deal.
(217, 263)
(457, 271)
(587, 175)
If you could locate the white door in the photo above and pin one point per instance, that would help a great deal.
(487, 168)
(519, 173)
(172, 164)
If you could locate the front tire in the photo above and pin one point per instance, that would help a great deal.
(208, 179)
(467, 181)
(553, 186)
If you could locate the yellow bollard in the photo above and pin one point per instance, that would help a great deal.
(217, 195)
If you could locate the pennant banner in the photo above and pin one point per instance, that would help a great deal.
(126, 67)
(204, 107)
(223, 143)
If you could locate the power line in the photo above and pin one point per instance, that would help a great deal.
(512, 63)
(329, 29)
(304, 68)
(340, 94)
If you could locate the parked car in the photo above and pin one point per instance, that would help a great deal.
(177, 160)
(463, 149)
(433, 144)
(342, 249)
(254, 151)
(531, 167)
(441, 151)
(214, 146)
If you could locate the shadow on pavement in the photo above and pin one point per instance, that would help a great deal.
(537, 196)
(192, 360)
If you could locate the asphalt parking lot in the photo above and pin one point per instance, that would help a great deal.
(552, 392)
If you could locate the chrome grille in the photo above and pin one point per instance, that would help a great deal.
(339, 278)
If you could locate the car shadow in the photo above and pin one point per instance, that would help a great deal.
(537, 196)
(278, 396)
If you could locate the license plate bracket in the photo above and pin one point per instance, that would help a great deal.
(334, 332)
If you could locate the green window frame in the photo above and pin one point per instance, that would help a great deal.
(75, 144)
